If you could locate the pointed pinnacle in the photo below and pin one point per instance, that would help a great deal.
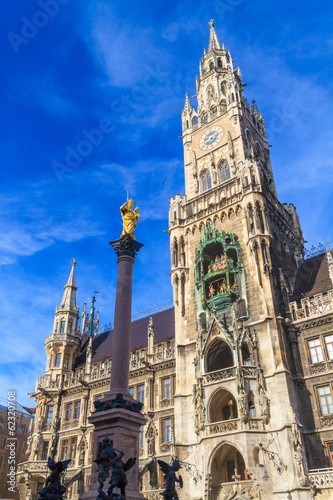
(187, 106)
(213, 40)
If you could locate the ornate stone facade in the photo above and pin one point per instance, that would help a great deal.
(229, 378)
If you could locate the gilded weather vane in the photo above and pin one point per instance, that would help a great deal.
(130, 218)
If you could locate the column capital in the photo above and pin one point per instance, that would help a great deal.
(126, 246)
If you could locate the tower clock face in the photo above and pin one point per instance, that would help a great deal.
(211, 138)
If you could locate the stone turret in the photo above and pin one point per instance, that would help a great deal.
(59, 346)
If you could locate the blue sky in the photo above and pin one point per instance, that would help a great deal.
(124, 68)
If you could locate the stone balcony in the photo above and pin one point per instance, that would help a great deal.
(322, 478)
(33, 467)
(224, 426)
(225, 491)
(152, 494)
(321, 303)
(230, 372)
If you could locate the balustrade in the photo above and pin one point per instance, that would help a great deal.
(245, 489)
(38, 465)
(321, 303)
(321, 477)
(225, 426)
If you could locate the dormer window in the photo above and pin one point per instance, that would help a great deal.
(206, 181)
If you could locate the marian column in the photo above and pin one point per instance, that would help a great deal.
(117, 416)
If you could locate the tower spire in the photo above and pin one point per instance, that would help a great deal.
(213, 40)
(68, 301)
(187, 106)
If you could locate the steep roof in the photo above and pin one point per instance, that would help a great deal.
(312, 277)
(164, 329)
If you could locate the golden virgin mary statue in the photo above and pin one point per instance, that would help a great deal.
(130, 218)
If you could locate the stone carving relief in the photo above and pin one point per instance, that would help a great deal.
(239, 489)
(54, 436)
(298, 449)
(199, 405)
(242, 403)
(263, 400)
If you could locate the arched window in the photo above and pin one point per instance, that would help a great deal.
(222, 407)
(219, 356)
(175, 253)
(264, 251)
(182, 252)
(227, 461)
(251, 219)
(225, 171)
(211, 65)
(252, 410)
(204, 116)
(260, 218)
(256, 258)
(246, 356)
(219, 63)
(182, 284)
(206, 181)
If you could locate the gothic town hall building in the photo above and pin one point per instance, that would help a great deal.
(236, 378)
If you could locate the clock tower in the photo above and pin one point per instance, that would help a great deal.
(234, 253)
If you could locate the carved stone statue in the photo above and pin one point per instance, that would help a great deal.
(82, 455)
(170, 479)
(54, 436)
(53, 489)
(151, 444)
(130, 218)
(29, 441)
(297, 446)
(199, 405)
(37, 441)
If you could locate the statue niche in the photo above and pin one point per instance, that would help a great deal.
(218, 268)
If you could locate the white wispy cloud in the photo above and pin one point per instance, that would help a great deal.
(29, 224)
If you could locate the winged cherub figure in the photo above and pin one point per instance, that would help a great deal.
(53, 489)
(118, 474)
(170, 479)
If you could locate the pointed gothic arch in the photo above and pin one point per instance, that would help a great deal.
(222, 406)
(224, 460)
(175, 252)
(219, 356)
(206, 181)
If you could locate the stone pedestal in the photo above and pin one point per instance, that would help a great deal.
(122, 426)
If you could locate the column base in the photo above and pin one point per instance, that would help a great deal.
(123, 427)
